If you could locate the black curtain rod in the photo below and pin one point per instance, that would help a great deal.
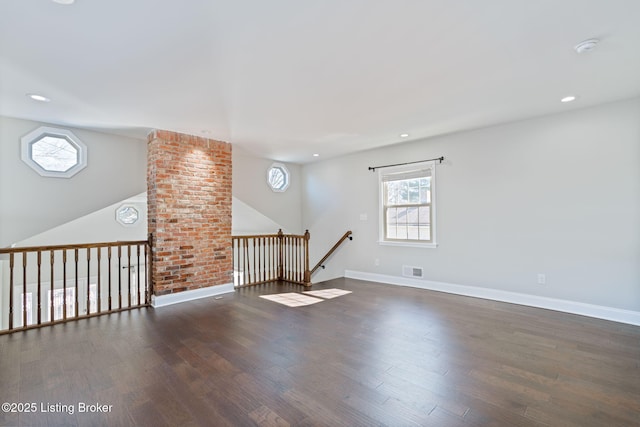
(373, 168)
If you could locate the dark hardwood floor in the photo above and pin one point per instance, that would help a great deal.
(382, 355)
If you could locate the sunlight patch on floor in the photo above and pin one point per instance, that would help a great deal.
(292, 299)
(327, 293)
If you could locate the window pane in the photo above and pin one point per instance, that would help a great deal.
(391, 191)
(425, 232)
(278, 177)
(396, 192)
(402, 223)
(54, 154)
(412, 223)
(425, 190)
(408, 191)
(391, 229)
(425, 222)
(414, 191)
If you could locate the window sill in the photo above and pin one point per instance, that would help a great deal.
(408, 244)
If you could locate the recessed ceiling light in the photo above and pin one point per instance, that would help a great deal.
(568, 98)
(404, 135)
(316, 155)
(586, 45)
(37, 97)
(64, 1)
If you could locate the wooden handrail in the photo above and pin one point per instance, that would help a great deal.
(346, 236)
(71, 246)
(265, 258)
(45, 283)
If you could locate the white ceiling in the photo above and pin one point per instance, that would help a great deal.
(289, 78)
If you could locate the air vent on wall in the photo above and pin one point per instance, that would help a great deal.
(409, 271)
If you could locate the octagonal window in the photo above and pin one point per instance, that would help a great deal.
(127, 215)
(278, 177)
(54, 152)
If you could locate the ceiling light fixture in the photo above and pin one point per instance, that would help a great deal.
(568, 98)
(316, 155)
(38, 98)
(66, 2)
(586, 45)
(404, 135)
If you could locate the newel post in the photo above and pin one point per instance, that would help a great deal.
(307, 272)
(149, 272)
(280, 255)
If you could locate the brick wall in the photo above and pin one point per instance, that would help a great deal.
(189, 209)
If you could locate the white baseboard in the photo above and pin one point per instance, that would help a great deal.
(193, 294)
(573, 307)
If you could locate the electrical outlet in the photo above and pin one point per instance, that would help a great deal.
(377, 261)
(542, 279)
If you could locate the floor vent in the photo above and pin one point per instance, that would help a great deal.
(409, 271)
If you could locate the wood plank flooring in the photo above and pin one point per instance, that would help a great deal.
(382, 355)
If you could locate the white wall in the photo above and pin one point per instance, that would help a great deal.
(558, 195)
(248, 221)
(99, 226)
(250, 187)
(31, 204)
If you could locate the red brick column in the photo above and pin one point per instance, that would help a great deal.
(189, 211)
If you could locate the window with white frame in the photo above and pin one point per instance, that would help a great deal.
(54, 152)
(127, 215)
(407, 205)
(278, 177)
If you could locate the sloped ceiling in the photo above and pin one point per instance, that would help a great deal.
(289, 78)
